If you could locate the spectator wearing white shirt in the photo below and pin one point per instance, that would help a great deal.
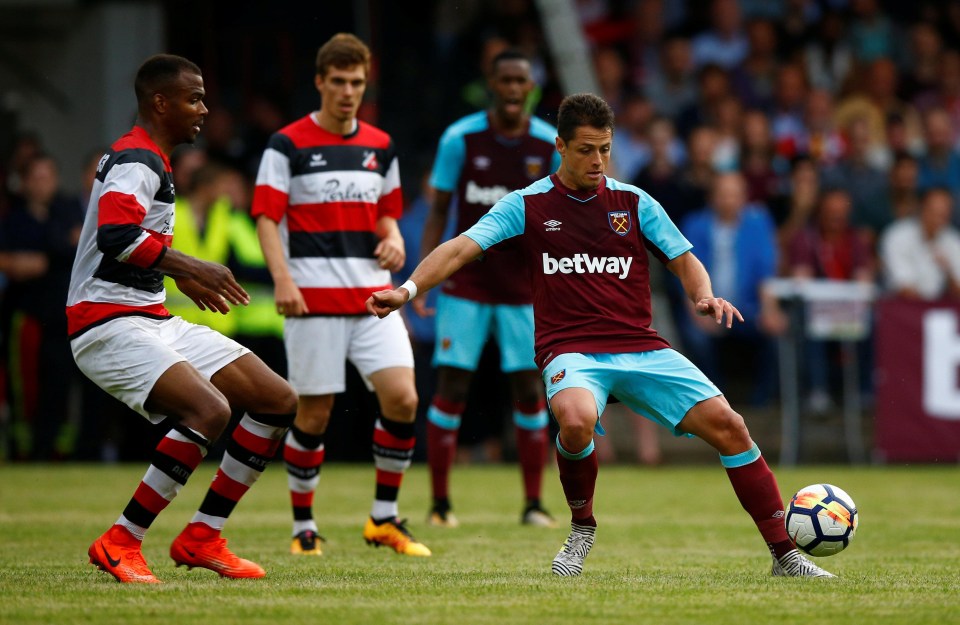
(921, 256)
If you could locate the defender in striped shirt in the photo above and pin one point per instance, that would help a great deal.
(326, 202)
(125, 340)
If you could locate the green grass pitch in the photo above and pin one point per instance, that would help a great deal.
(673, 546)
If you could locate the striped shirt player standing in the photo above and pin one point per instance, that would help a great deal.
(125, 340)
(326, 202)
(480, 159)
(585, 237)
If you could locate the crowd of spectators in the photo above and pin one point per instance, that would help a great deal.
(808, 138)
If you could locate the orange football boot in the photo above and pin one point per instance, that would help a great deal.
(118, 553)
(200, 545)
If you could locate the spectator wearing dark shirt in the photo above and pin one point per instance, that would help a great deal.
(38, 239)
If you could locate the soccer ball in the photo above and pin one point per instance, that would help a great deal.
(821, 519)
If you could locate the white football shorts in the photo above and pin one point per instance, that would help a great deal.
(126, 356)
(319, 347)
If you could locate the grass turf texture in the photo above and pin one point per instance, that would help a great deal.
(673, 546)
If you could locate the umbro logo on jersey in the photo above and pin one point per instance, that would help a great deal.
(553, 225)
(317, 160)
(481, 162)
(370, 160)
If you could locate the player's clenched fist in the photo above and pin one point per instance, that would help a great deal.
(382, 303)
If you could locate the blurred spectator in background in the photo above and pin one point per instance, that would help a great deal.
(38, 240)
(673, 86)
(759, 162)
(724, 43)
(793, 208)
(631, 150)
(866, 182)
(796, 27)
(221, 139)
(819, 137)
(611, 72)
(661, 176)
(921, 70)
(713, 86)
(728, 126)
(940, 165)
(921, 255)
(789, 104)
(736, 241)
(872, 34)
(903, 197)
(829, 248)
(696, 177)
(185, 161)
(947, 95)
(828, 55)
(646, 45)
(26, 147)
(755, 78)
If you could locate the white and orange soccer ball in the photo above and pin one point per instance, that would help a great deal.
(821, 519)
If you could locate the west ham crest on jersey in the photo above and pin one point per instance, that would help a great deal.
(619, 222)
(534, 166)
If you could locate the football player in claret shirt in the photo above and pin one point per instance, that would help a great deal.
(125, 340)
(326, 201)
(481, 158)
(585, 238)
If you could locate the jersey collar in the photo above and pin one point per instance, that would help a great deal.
(581, 196)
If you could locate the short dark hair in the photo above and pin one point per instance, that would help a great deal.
(510, 54)
(343, 50)
(582, 109)
(158, 72)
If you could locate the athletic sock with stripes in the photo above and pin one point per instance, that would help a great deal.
(757, 490)
(303, 455)
(254, 443)
(443, 425)
(176, 457)
(578, 476)
(530, 422)
(392, 454)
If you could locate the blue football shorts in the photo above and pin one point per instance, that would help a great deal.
(463, 327)
(662, 385)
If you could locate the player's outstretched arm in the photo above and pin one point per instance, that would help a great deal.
(696, 283)
(433, 270)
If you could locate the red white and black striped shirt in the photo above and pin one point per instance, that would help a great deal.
(327, 191)
(126, 232)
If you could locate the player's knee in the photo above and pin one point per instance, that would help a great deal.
(733, 430)
(285, 400)
(402, 406)
(576, 436)
(210, 417)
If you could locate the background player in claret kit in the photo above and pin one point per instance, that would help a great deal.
(590, 278)
(327, 201)
(480, 159)
(124, 339)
